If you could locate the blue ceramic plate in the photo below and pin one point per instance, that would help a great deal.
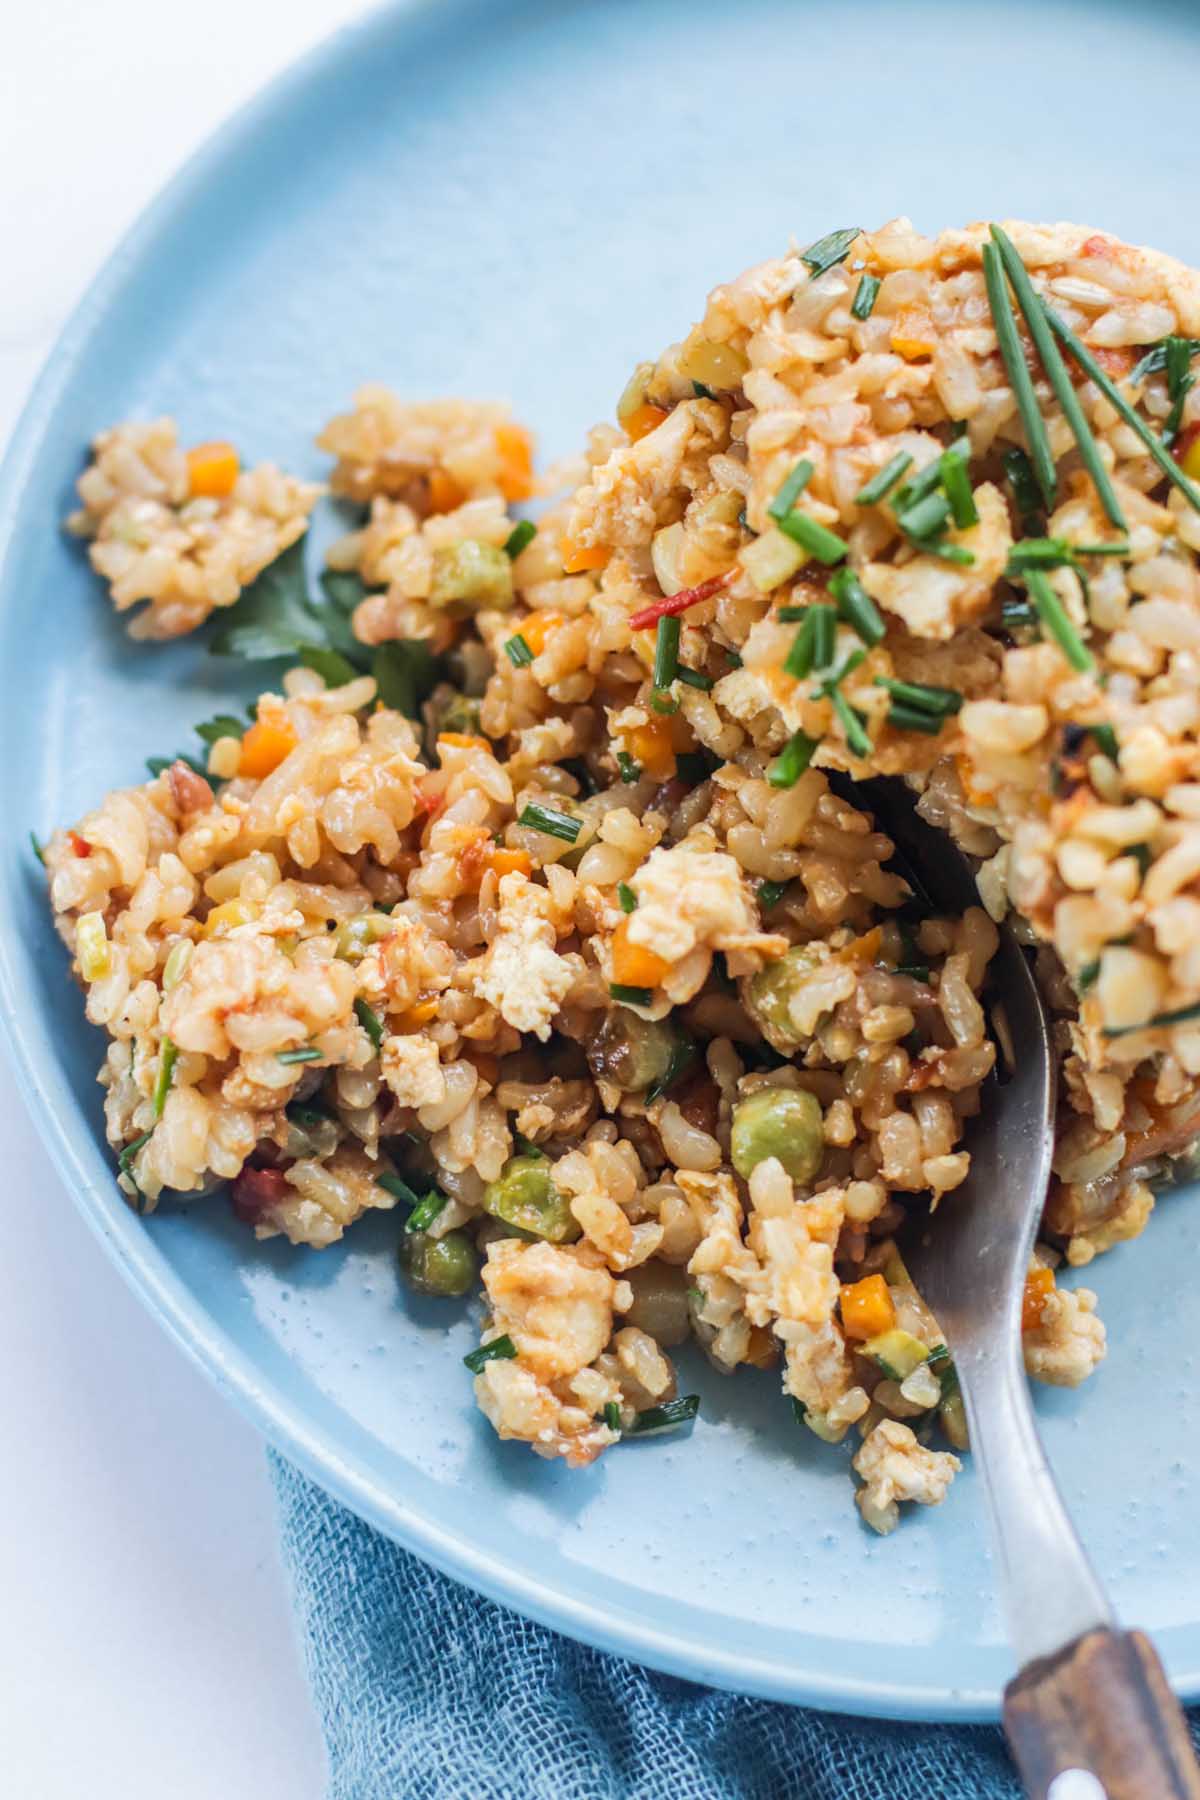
(520, 201)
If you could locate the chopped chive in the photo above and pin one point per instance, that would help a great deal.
(696, 1296)
(666, 651)
(1112, 393)
(1017, 615)
(1087, 976)
(792, 760)
(914, 971)
(630, 996)
(812, 647)
(1180, 382)
(735, 661)
(426, 1211)
(957, 486)
(612, 1412)
(701, 392)
(791, 490)
(925, 517)
(627, 897)
(518, 652)
(799, 1412)
(951, 553)
(1114, 547)
(683, 1055)
(223, 725)
(1038, 319)
(791, 615)
(817, 539)
(664, 702)
(519, 538)
(125, 1159)
(37, 848)
(914, 718)
(865, 296)
(770, 893)
(1041, 457)
(1039, 553)
(1105, 739)
(1158, 1021)
(668, 1417)
(929, 479)
(1053, 615)
(549, 821)
(394, 1185)
(852, 723)
(370, 1021)
(1026, 499)
(856, 607)
(1155, 359)
(693, 678)
(501, 1349)
(833, 248)
(166, 1074)
(306, 1053)
(884, 480)
(630, 771)
(937, 700)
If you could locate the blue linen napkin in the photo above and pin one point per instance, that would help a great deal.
(426, 1692)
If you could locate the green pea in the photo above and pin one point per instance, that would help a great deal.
(781, 1122)
(524, 1195)
(629, 1051)
(446, 1266)
(769, 995)
(471, 576)
(355, 936)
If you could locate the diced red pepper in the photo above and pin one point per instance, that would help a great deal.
(671, 604)
(79, 845)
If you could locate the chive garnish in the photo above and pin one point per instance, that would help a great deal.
(1112, 393)
(629, 770)
(813, 645)
(701, 392)
(1053, 615)
(37, 848)
(370, 1021)
(518, 652)
(833, 248)
(925, 517)
(627, 897)
(394, 1185)
(166, 1074)
(666, 651)
(668, 1417)
(852, 723)
(957, 486)
(791, 490)
(551, 822)
(426, 1211)
(1020, 380)
(825, 545)
(501, 1349)
(856, 607)
(693, 678)
(865, 297)
(951, 553)
(1039, 319)
(630, 996)
(1155, 359)
(792, 760)
(1105, 739)
(306, 1053)
(929, 479)
(131, 1150)
(770, 893)
(1026, 499)
(1158, 1021)
(1180, 382)
(937, 700)
(612, 1415)
(914, 718)
(914, 971)
(1086, 977)
(884, 480)
(791, 615)
(519, 537)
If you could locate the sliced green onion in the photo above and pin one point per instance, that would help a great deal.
(701, 392)
(865, 296)
(833, 248)
(426, 1211)
(925, 517)
(1105, 739)
(1038, 318)
(370, 1021)
(666, 651)
(791, 489)
(957, 485)
(1053, 615)
(884, 480)
(817, 539)
(1111, 392)
(930, 477)
(519, 538)
(630, 996)
(518, 652)
(166, 1074)
(501, 1349)
(856, 607)
(1019, 378)
(914, 718)
(770, 893)
(306, 1053)
(812, 647)
(792, 760)
(551, 822)
(1087, 976)
(612, 1412)
(693, 678)
(630, 771)
(627, 897)
(394, 1185)
(668, 1417)
(1155, 1023)
(852, 723)
(937, 700)
(1026, 499)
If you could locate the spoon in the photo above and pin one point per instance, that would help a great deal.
(1089, 1713)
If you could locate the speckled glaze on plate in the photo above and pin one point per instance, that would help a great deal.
(520, 201)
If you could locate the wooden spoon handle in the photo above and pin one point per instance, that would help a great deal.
(1101, 1706)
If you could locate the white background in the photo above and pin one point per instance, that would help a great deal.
(146, 1648)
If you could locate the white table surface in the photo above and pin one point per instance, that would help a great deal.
(145, 1637)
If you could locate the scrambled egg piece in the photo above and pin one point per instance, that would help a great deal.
(895, 1467)
(692, 901)
(522, 975)
(1068, 1342)
(412, 1068)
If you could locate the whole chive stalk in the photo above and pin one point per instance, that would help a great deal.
(1182, 1016)
(791, 490)
(668, 1417)
(1117, 400)
(1037, 318)
(884, 480)
(770, 893)
(501, 1349)
(956, 484)
(833, 248)
(629, 770)
(825, 545)
(166, 1074)
(426, 1211)
(630, 996)
(856, 607)
(627, 897)
(693, 678)
(1026, 499)
(939, 701)
(1180, 382)
(370, 1021)
(307, 1053)
(666, 651)
(914, 718)
(518, 652)
(549, 821)
(792, 760)
(1019, 378)
(865, 296)
(924, 518)
(1053, 615)
(519, 538)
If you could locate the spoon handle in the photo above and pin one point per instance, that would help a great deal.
(1097, 1721)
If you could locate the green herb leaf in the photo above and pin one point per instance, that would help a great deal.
(406, 673)
(370, 1021)
(630, 996)
(334, 669)
(683, 1055)
(627, 897)
(701, 392)
(884, 480)
(37, 849)
(166, 1074)
(792, 760)
(519, 538)
(1180, 382)
(1086, 977)
(126, 1157)
(501, 1349)
(273, 615)
(1155, 359)
(158, 765)
(856, 607)
(426, 1211)
(223, 725)
(548, 820)
(1105, 739)
(668, 1417)
(343, 588)
(833, 248)
(518, 652)
(305, 1053)
(865, 296)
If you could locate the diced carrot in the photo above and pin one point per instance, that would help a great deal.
(578, 557)
(866, 948)
(632, 964)
(651, 745)
(509, 862)
(264, 747)
(867, 1308)
(463, 740)
(643, 420)
(444, 492)
(212, 470)
(417, 1015)
(538, 626)
(912, 336)
(516, 461)
(1039, 1285)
